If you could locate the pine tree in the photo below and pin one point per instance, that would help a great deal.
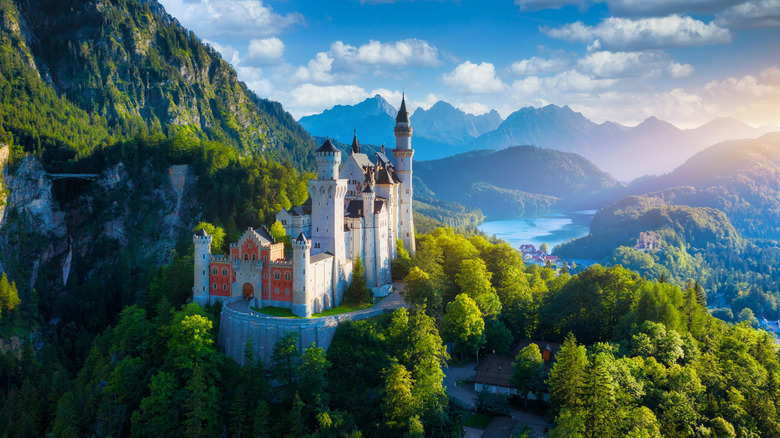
(358, 291)
(567, 376)
(599, 399)
(9, 296)
(200, 406)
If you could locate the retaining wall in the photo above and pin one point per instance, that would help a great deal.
(237, 327)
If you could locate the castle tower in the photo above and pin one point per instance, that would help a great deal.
(355, 149)
(403, 154)
(303, 294)
(200, 290)
(327, 196)
(369, 235)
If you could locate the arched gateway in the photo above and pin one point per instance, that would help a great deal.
(249, 291)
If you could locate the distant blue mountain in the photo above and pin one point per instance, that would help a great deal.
(651, 148)
(374, 119)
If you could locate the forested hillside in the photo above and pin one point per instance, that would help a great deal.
(717, 216)
(522, 180)
(131, 68)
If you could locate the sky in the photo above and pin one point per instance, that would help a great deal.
(686, 62)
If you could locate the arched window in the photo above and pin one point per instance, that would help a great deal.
(215, 285)
(265, 275)
(224, 272)
(286, 275)
(276, 275)
(214, 271)
(224, 287)
(276, 292)
(246, 256)
(254, 256)
(287, 291)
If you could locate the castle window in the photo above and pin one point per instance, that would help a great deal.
(286, 275)
(265, 275)
(215, 285)
(204, 256)
(224, 287)
(250, 246)
(224, 272)
(246, 256)
(265, 258)
(214, 271)
(276, 275)
(265, 290)
(276, 291)
(287, 291)
(254, 256)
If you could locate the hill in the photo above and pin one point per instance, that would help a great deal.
(741, 178)
(133, 66)
(522, 180)
(652, 147)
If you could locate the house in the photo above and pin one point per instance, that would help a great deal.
(493, 373)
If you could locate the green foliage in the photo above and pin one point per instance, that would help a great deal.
(9, 295)
(358, 292)
(463, 324)
(420, 291)
(217, 236)
(567, 376)
(528, 371)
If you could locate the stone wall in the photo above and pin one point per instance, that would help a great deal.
(236, 327)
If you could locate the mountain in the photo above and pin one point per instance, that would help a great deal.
(522, 180)
(132, 64)
(739, 177)
(439, 131)
(374, 119)
(653, 147)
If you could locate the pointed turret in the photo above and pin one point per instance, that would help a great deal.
(403, 115)
(355, 144)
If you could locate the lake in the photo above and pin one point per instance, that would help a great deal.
(553, 229)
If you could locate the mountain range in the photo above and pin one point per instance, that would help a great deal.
(653, 147)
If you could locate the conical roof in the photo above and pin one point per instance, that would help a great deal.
(355, 144)
(327, 147)
(403, 115)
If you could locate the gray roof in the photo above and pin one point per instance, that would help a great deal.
(403, 116)
(363, 161)
(383, 158)
(355, 207)
(301, 238)
(320, 257)
(263, 236)
(328, 147)
(201, 233)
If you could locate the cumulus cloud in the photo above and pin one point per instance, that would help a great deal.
(227, 51)
(239, 18)
(536, 66)
(254, 79)
(474, 78)
(608, 64)
(751, 14)
(408, 52)
(266, 51)
(310, 98)
(635, 8)
(641, 34)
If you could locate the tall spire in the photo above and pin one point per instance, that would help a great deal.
(355, 144)
(403, 116)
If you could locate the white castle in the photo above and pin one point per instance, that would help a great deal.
(356, 211)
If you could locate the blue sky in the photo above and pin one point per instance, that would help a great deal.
(619, 60)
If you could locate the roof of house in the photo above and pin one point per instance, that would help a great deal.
(362, 161)
(355, 207)
(496, 369)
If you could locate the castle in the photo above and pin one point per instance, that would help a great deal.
(355, 210)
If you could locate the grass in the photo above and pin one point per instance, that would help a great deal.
(477, 421)
(287, 313)
(276, 311)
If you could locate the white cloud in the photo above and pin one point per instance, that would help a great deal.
(216, 18)
(266, 51)
(574, 81)
(536, 65)
(644, 8)
(474, 78)
(475, 108)
(255, 81)
(751, 14)
(408, 52)
(608, 64)
(309, 98)
(228, 53)
(645, 33)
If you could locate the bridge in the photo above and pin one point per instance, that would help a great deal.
(87, 176)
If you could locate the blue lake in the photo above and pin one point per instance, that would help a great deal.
(553, 229)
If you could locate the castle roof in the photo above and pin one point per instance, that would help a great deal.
(355, 208)
(362, 161)
(201, 233)
(403, 116)
(263, 236)
(355, 144)
(368, 189)
(301, 238)
(321, 256)
(384, 176)
(383, 158)
(328, 147)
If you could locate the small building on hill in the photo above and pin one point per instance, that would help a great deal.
(494, 372)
